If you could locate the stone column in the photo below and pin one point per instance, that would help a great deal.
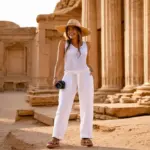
(146, 85)
(133, 44)
(41, 62)
(1, 65)
(112, 72)
(89, 20)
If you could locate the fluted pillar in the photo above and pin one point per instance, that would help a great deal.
(89, 20)
(1, 65)
(111, 45)
(133, 44)
(40, 67)
(146, 85)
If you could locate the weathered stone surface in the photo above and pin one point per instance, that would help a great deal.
(119, 110)
(43, 99)
(123, 94)
(127, 100)
(65, 4)
(98, 98)
(41, 91)
(133, 35)
(103, 128)
(111, 25)
(24, 113)
(145, 101)
(89, 13)
(8, 24)
(13, 139)
(126, 110)
(142, 93)
(47, 116)
(103, 117)
(31, 45)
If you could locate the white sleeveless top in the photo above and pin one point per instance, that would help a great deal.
(74, 61)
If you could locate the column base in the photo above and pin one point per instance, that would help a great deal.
(145, 86)
(129, 89)
(108, 90)
(143, 90)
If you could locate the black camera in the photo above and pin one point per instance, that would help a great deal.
(60, 84)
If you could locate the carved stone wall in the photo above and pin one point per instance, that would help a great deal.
(15, 56)
(120, 50)
(47, 39)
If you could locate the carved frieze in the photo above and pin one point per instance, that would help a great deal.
(18, 31)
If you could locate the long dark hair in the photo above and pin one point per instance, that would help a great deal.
(79, 39)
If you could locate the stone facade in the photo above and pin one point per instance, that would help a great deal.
(122, 47)
(119, 41)
(15, 56)
(28, 55)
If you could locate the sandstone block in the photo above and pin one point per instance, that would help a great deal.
(103, 117)
(43, 99)
(145, 101)
(126, 100)
(126, 110)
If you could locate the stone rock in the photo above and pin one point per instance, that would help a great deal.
(24, 113)
(43, 99)
(98, 109)
(98, 98)
(124, 94)
(103, 117)
(47, 116)
(112, 98)
(107, 101)
(145, 101)
(136, 98)
(127, 100)
(8, 25)
(126, 110)
(142, 93)
(41, 91)
(65, 4)
(103, 128)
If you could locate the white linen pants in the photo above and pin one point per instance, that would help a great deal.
(81, 82)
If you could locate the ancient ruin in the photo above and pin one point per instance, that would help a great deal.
(119, 56)
(119, 50)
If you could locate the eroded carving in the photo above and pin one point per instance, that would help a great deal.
(64, 4)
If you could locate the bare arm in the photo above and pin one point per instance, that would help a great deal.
(60, 59)
(88, 62)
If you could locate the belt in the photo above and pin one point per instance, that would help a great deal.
(77, 71)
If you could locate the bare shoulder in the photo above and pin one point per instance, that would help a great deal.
(88, 45)
(62, 43)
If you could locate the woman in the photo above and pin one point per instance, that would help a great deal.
(73, 53)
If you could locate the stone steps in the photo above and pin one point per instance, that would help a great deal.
(43, 99)
(118, 110)
(50, 97)
(45, 115)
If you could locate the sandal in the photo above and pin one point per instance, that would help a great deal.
(86, 142)
(53, 143)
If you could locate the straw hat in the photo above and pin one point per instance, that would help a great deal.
(73, 22)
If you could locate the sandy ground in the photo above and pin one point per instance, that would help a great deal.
(122, 134)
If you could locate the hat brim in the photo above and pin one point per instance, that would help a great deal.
(62, 29)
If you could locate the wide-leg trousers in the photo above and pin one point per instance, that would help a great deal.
(81, 82)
